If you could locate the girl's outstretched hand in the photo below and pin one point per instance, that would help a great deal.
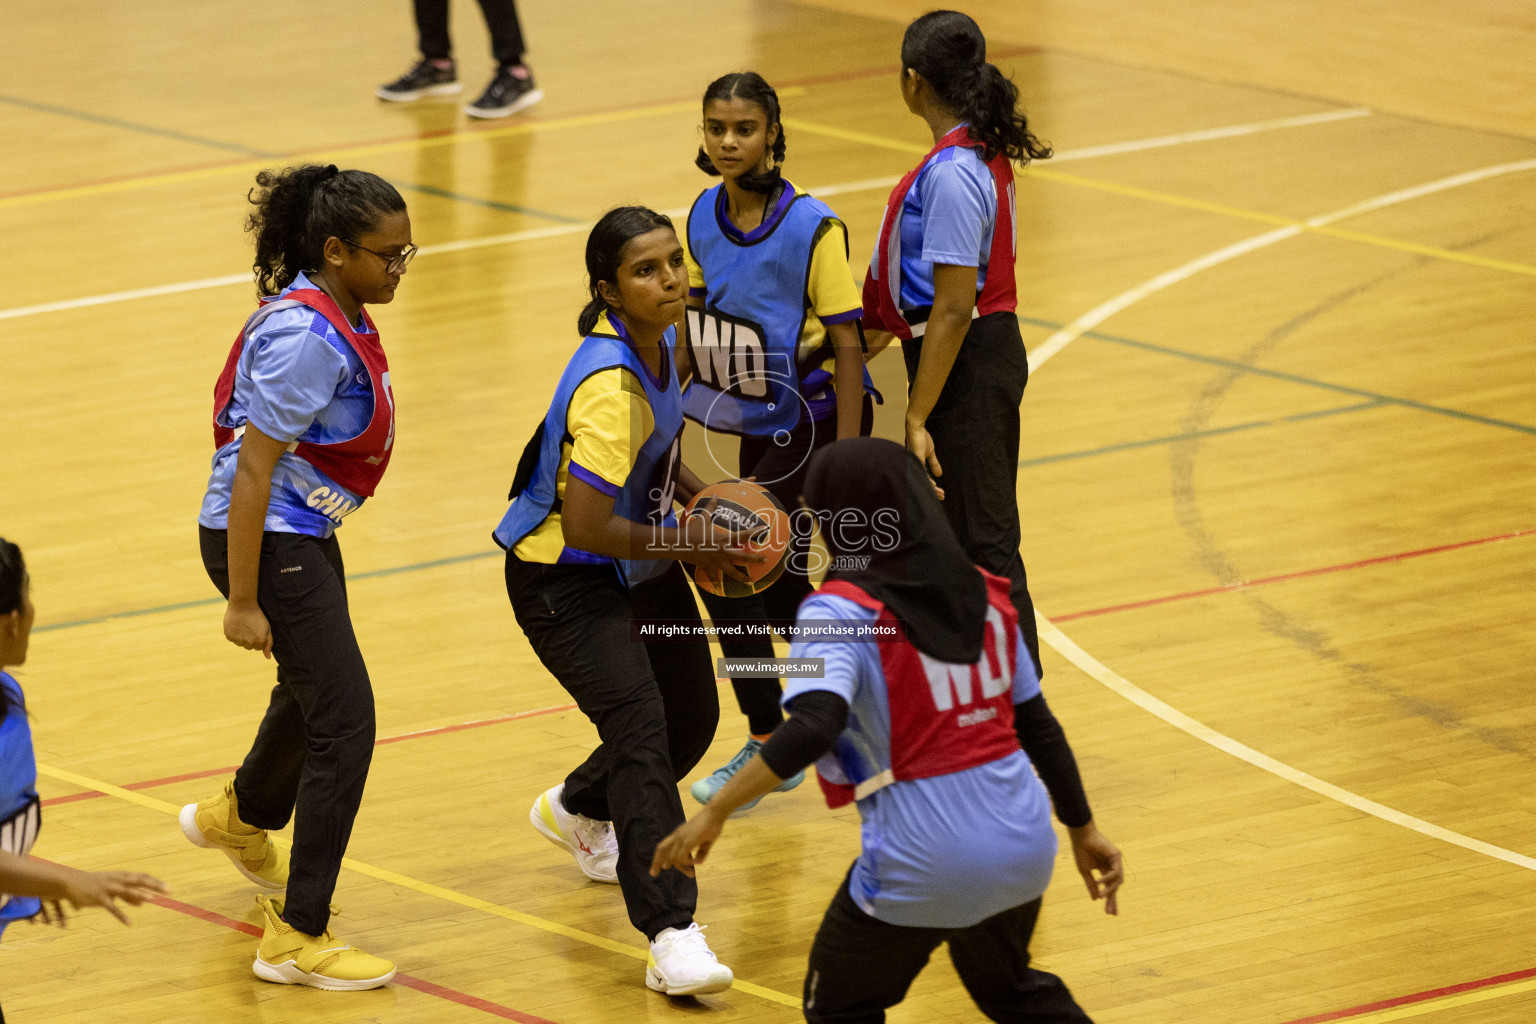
(103, 889)
(688, 845)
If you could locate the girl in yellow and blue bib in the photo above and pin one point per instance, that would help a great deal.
(593, 547)
(776, 354)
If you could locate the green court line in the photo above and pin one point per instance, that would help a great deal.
(1372, 399)
(236, 147)
(1293, 378)
(204, 602)
(1194, 434)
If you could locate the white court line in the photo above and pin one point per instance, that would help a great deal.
(1064, 646)
(1098, 314)
(1454, 181)
(864, 185)
(1063, 337)
(1208, 134)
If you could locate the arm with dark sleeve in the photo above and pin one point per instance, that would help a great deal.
(816, 718)
(1042, 738)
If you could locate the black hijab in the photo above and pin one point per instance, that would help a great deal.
(872, 498)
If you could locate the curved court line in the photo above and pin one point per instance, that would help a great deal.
(1064, 646)
(1060, 339)
(417, 885)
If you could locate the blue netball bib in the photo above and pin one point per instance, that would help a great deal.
(744, 343)
(648, 491)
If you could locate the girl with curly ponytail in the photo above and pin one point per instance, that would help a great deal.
(942, 280)
(947, 52)
(303, 427)
(777, 354)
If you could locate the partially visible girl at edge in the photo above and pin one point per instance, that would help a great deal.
(32, 889)
(943, 737)
(592, 555)
(777, 355)
(942, 279)
(304, 424)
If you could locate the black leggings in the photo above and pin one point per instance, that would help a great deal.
(313, 747)
(861, 967)
(654, 704)
(781, 468)
(975, 431)
(500, 18)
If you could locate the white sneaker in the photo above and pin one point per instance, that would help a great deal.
(591, 842)
(681, 964)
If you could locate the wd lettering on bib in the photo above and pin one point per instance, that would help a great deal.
(728, 353)
(951, 684)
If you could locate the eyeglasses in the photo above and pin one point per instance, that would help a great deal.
(395, 264)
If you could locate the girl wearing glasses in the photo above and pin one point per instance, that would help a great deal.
(303, 424)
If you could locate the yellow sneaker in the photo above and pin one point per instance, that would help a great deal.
(290, 957)
(215, 824)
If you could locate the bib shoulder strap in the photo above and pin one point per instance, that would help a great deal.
(259, 317)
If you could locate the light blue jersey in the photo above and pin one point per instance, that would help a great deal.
(948, 217)
(297, 380)
(946, 851)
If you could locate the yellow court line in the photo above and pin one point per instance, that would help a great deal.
(1443, 1003)
(371, 149)
(425, 888)
(1171, 199)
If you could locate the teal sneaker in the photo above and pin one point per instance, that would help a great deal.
(705, 789)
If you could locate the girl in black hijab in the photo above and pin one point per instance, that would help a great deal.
(925, 697)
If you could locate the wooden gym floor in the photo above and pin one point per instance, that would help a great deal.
(1276, 488)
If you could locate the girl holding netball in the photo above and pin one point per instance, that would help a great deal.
(32, 889)
(942, 280)
(938, 735)
(776, 353)
(592, 550)
(303, 424)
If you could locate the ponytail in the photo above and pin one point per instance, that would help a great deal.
(752, 87)
(949, 51)
(299, 208)
(605, 253)
(13, 583)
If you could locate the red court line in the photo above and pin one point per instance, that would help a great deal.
(1107, 610)
(1417, 997)
(480, 723)
(1301, 574)
(205, 773)
(405, 980)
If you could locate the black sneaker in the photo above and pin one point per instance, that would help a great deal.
(425, 79)
(510, 91)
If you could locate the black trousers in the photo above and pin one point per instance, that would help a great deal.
(654, 704)
(975, 430)
(781, 468)
(861, 967)
(500, 18)
(312, 750)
